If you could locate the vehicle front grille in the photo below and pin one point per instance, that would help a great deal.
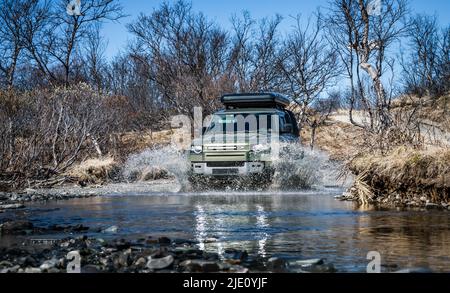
(225, 171)
(225, 164)
(225, 148)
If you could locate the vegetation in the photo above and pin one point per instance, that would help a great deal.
(64, 104)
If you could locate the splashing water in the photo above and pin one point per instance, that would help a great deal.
(297, 168)
(300, 168)
(157, 163)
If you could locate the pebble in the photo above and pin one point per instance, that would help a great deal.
(200, 266)
(140, 263)
(307, 263)
(414, 271)
(33, 271)
(164, 240)
(277, 265)
(159, 263)
(430, 205)
(111, 230)
(15, 227)
(48, 264)
(12, 206)
(11, 270)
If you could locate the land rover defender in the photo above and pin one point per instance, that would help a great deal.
(237, 141)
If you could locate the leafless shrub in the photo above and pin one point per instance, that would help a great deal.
(49, 130)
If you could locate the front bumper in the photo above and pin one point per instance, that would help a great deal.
(218, 169)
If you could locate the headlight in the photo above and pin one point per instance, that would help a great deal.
(197, 149)
(261, 148)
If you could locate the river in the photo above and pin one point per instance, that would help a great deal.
(293, 225)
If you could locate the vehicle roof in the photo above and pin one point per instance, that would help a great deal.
(250, 111)
(256, 100)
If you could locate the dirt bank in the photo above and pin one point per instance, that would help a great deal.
(403, 177)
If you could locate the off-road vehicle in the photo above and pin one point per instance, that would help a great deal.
(237, 141)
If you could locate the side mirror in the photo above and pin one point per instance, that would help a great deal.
(288, 128)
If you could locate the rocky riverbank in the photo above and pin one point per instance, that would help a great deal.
(145, 255)
(12, 201)
(18, 200)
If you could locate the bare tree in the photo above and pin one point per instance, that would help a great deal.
(184, 55)
(255, 51)
(427, 69)
(94, 59)
(309, 66)
(14, 20)
(63, 34)
(363, 39)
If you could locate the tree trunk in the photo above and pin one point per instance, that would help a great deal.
(313, 136)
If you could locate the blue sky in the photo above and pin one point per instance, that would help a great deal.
(220, 11)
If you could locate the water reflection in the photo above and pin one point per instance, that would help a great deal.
(297, 225)
(200, 226)
(262, 224)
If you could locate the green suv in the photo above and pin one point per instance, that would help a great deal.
(239, 140)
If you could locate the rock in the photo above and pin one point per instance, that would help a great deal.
(16, 227)
(111, 230)
(122, 244)
(140, 263)
(307, 263)
(48, 264)
(210, 240)
(90, 269)
(12, 206)
(160, 263)
(209, 267)
(11, 270)
(430, 206)
(200, 266)
(5, 264)
(423, 198)
(125, 258)
(414, 271)
(183, 241)
(276, 264)
(101, 241)
(79, 228)
(325, 268)
(33, 271)
(164, 240)
(238, 270)
(235, 256)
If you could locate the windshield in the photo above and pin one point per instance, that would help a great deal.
(244, 123)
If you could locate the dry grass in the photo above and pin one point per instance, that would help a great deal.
(408, 172)
(135, 142)
(340, 140)
(94, 170)
(363, 190)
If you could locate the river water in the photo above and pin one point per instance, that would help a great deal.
(294, 225)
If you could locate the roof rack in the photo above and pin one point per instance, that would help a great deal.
(255, 100)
